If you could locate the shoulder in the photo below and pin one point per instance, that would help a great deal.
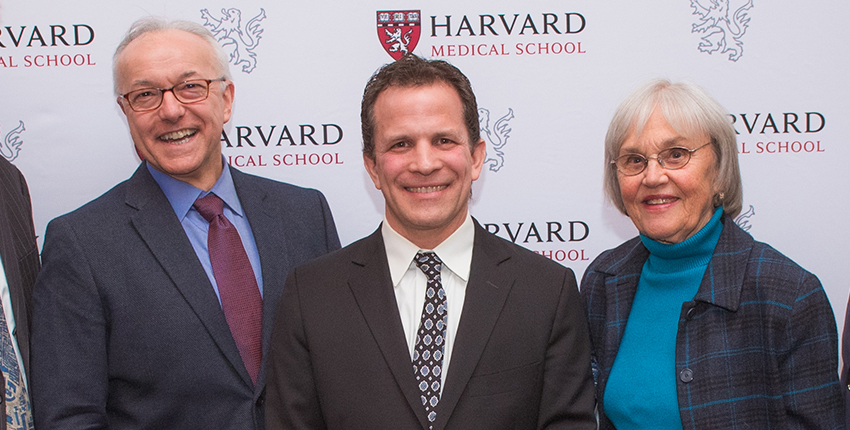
(327, 278)
(774, 271)
(619, 259)
(276, 189)
(103, 208)
(535, 268)
(337, 264)
(745, 273)
(764, 262)
(9, 173)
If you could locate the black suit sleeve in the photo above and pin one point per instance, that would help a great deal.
(292, 401)
(567, 400)
(68, 338)
(331, 236)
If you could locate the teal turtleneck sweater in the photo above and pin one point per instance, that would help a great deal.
(641, 389)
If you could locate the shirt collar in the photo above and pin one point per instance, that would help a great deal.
(182, 195)
(455, 251)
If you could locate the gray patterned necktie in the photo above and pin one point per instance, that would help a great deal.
(18, 414)
(430, 338)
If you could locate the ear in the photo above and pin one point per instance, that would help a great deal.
(479, 154)
(227, 95)
(122, 104)
(372, 169)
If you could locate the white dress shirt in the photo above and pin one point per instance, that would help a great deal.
(409, 283)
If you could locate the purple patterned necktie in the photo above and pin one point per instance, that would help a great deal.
(430, 338)
(237, 286)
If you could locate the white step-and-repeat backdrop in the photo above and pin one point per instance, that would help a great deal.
(548, 76)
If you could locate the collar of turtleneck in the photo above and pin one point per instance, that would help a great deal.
(693, 252)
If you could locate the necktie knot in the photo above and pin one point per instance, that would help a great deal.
(209, 206)
(429, 263)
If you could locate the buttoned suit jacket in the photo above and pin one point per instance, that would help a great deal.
(19, 252)
(128, 332)
(520, 360)
(756, 348)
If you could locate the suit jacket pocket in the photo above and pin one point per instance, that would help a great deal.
(505, 381)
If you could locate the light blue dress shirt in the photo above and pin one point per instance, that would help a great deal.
(182, 196)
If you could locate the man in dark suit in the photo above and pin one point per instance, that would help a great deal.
(20, 267)
(141, 318)
(430, 322)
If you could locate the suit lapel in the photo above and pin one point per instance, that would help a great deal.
(371, 286)
(491, 278)
(160, 229)
(7, 247)
(17, 243)
(724, 278)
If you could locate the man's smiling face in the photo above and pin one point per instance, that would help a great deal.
(181, 140)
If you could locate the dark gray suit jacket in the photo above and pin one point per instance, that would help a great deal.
(127, 330)
(20, 257)
(521, 358)
(845, 372)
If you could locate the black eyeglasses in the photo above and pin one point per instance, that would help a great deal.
(670, 159)
(191, 91)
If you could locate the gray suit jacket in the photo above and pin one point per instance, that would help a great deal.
(339, 359)
(20, 257)
(127, 330)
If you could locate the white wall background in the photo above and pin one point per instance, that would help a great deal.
(313, 59)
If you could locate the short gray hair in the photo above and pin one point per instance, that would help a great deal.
(690, 110)
(156, 24)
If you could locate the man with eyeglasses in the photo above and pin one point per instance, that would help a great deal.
(154, 306)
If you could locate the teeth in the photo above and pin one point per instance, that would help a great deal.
(658, 201)
(426, 189)
(177, 135)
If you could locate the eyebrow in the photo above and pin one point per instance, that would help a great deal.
(144, 83)
(667, 143)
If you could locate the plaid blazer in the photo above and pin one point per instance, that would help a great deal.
(756, 348)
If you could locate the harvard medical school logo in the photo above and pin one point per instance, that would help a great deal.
(496, 137)
(724, 23)
(240, 40)
(11, 145)
(398, 31)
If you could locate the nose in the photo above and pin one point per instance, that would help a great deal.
(171, 109)
(426, 158)
(654, 175)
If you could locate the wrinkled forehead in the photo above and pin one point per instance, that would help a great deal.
(166, 52)
(684, 125)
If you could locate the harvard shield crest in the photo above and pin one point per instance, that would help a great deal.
(398, 31)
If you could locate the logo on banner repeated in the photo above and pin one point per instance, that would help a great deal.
(788, 132)
(12, 142)
(398, 31)
(241, 41)
(724, 23)
(743, 220)
(496, 136)
(31, 46)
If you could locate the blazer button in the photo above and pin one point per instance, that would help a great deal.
(686, 375)
(692, 312)
(261, 400)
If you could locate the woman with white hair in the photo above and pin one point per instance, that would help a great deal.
(695, 325)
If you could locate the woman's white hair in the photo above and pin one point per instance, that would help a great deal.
(691, 111)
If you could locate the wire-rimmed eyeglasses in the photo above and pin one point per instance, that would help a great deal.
(670, 159)
(186, 92)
